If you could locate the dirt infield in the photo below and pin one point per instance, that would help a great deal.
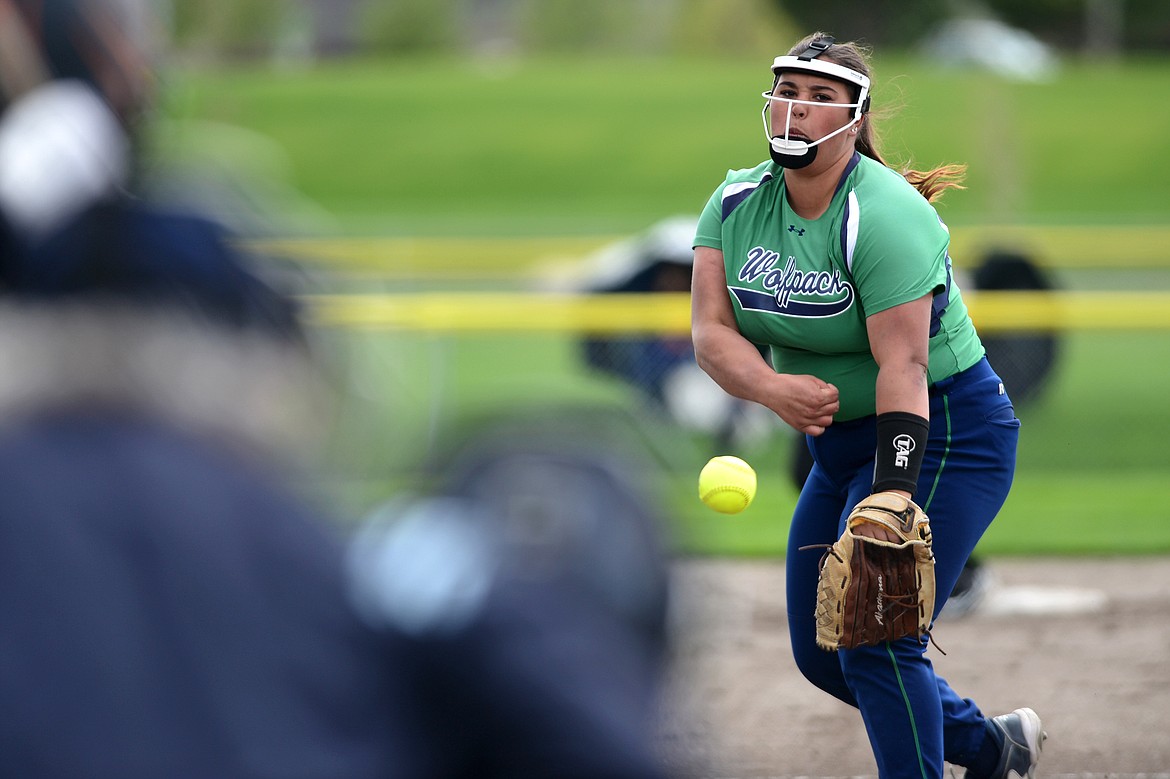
(1086, 643)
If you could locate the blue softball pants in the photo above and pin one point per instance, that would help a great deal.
(914, 720)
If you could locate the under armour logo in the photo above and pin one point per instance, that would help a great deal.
(794, 229)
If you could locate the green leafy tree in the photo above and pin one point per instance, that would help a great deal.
(878, 22)
(1142, 24)
(227, 28)
(410, 26)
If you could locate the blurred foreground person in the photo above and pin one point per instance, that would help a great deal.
(530, 584)
(171, 608)
(172, 605)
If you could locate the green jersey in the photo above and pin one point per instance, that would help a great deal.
(803, 287)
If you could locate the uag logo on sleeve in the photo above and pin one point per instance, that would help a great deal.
(789, 291)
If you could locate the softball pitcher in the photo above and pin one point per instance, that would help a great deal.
(840, 265)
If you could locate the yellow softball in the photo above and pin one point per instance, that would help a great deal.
(727, 484)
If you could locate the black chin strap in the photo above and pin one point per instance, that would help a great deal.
(794, 161)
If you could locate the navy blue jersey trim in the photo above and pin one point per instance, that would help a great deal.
(845, 239)
(731, 202)
(845, 213)
(765, 302)
(856, 158)
(942, 299)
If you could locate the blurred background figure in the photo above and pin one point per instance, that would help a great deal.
(175, 602)
(663, 368)
(658, 260)
(1027, 360)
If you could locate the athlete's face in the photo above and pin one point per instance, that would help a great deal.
(810, 121)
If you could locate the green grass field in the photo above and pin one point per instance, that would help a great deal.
(575, 150)
(580, 145)
(1092, 464)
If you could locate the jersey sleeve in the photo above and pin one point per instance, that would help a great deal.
(736, 187)
(901, 250)
(709, 231)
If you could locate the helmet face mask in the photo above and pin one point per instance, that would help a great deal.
(795, 153)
